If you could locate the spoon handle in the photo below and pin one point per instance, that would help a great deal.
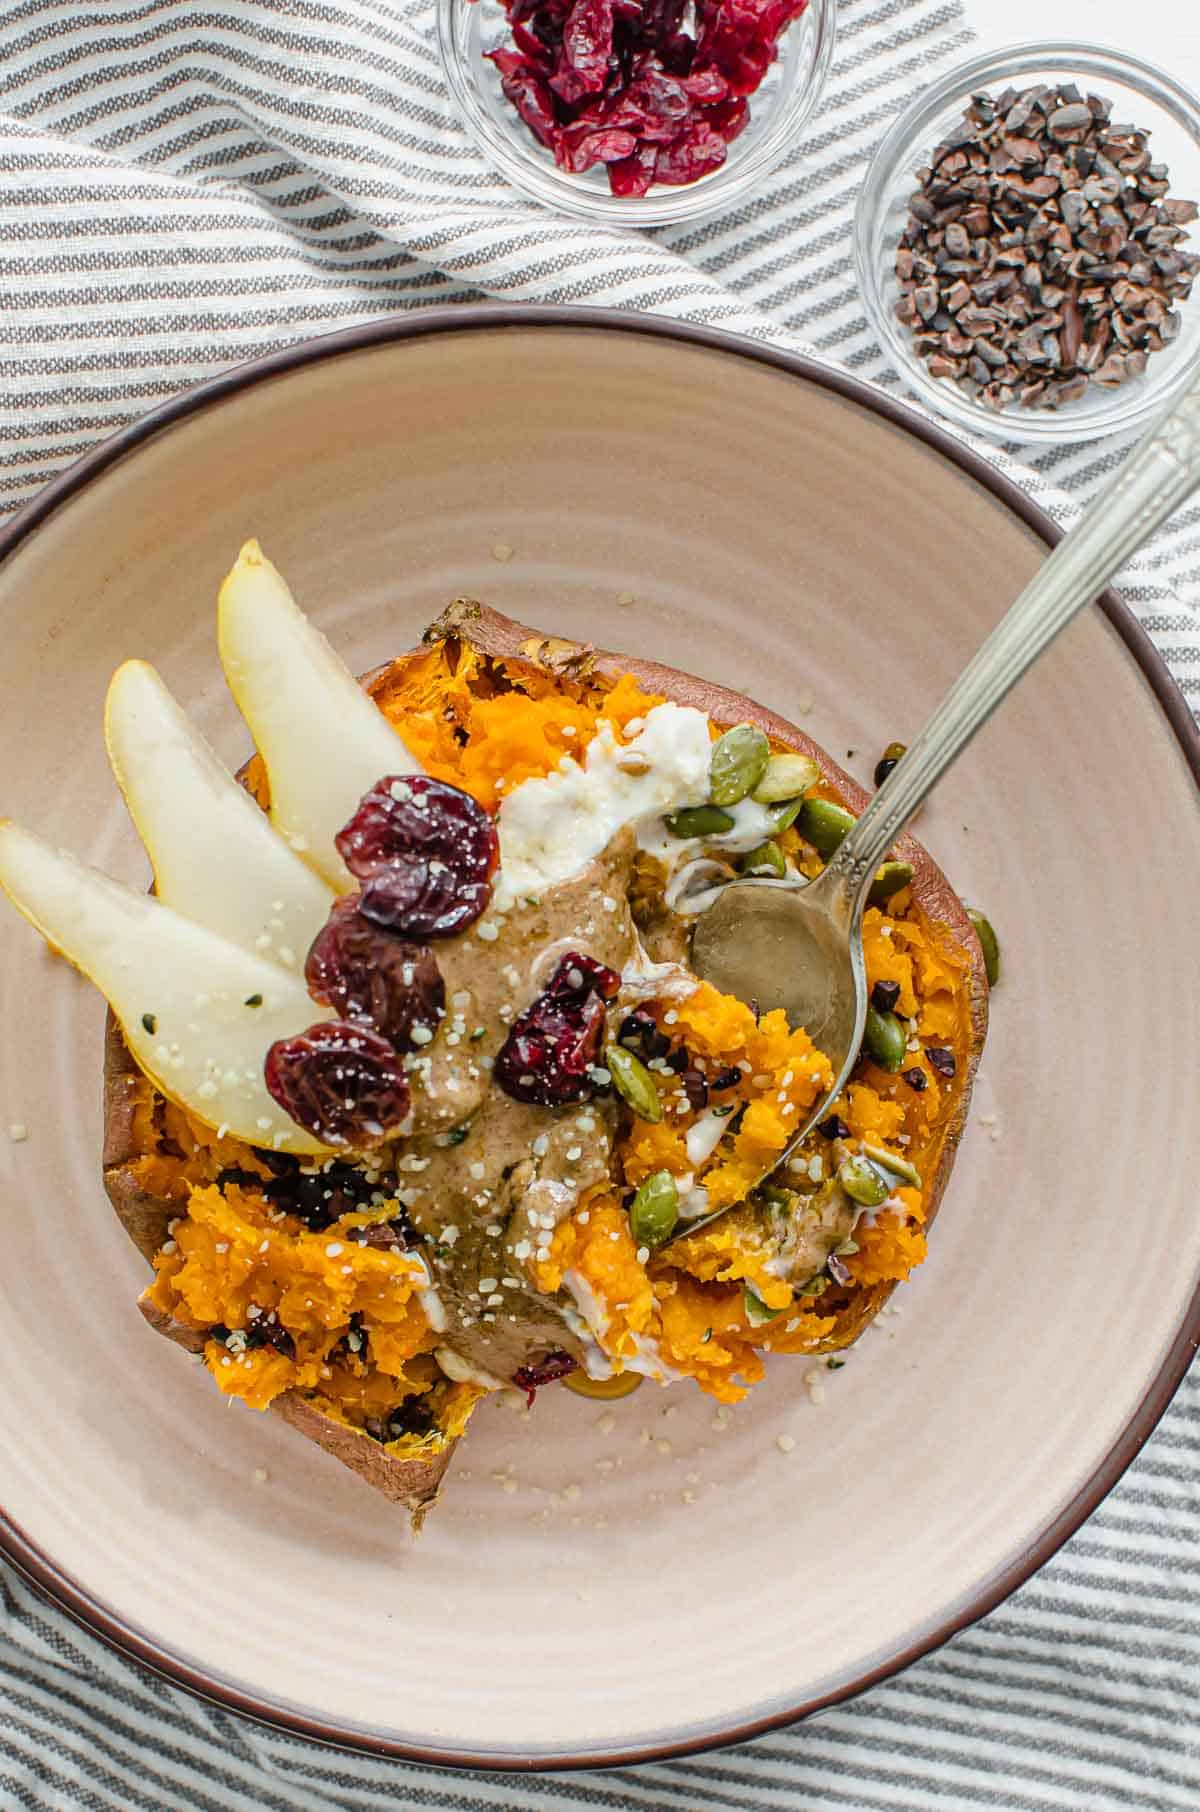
(1160, 473)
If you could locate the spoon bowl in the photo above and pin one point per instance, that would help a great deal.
(788, 944)
(795, 945)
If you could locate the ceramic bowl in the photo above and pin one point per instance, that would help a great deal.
(709, 1582)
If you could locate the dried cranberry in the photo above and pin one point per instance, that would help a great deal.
(707, 85)
(730, 118)
(342, 1083)
(942, 1060)
(425, 852)
(530, 1378)
(634, 174)
(368, 975)
(586, 46)
(529, 93)
(578, 148)
(655, 105)
(654, 89)
(578, 976)
(549, 1053)
(692, 155)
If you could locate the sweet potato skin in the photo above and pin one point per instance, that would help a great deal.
(494, 634)
(415, 1483)
(143, 1216)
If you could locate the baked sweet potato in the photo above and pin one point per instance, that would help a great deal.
(505, 655)
(493, 634)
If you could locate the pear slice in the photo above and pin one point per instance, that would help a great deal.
(324, 742)
(183, 995)
(216, 857)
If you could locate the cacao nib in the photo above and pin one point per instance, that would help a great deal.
(530, 1378)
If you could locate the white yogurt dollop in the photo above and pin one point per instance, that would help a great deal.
(552, 827)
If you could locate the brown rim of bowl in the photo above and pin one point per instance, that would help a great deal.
(42, 1572)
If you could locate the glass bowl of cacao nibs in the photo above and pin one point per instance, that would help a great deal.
(636, 112)
(1026, 243)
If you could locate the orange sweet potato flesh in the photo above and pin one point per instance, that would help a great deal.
(415, 1482)
(492, 633)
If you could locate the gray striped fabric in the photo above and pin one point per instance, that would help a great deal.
(184, 186)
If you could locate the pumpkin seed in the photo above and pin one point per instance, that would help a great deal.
(884, 1040)
(784, 816)
(824, 824)
(755, 1309)
(606, 1390)
(633, 1082)
(891, 757)
(816, 1286)
(699, 821)
(786, 777)
(739, 759)
(654, 1210)
(989, 943)
(863, 1183)
(899, 1167)
(889, 880)
(767, 859)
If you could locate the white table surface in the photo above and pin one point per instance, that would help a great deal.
(1163, 31)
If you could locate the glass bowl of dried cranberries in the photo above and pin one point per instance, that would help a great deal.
(636, 111)
(1026, 243)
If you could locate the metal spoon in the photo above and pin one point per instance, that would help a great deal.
(797, 944)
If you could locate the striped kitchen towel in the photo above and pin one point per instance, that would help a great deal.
(183, 186)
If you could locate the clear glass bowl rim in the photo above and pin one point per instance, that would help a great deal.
(910, 135)
(554, 188)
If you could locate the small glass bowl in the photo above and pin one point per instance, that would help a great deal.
(1142, 96)
(467, 29)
